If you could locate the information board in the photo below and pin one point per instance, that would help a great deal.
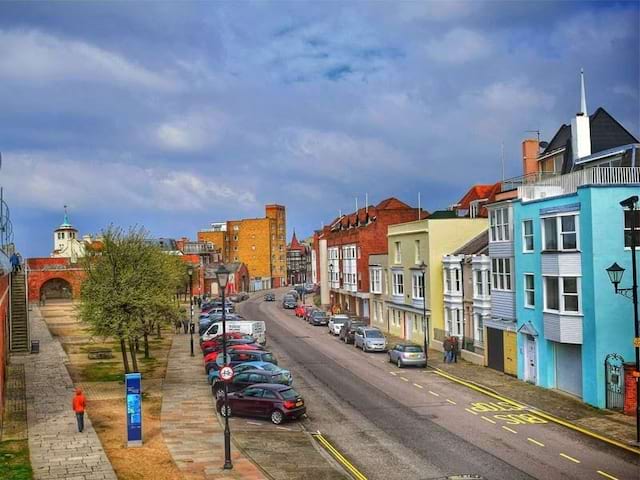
(133, 397)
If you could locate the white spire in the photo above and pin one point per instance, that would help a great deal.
(583, 95)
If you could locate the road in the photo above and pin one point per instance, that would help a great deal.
(412, 423)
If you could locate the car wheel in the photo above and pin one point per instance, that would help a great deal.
(277, 417)
(399, 363)
(225, 410)
(219, 392)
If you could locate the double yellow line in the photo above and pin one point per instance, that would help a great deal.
(353, 471)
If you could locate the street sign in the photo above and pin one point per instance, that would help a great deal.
(226, 373)
(220, 360)
(636, 342)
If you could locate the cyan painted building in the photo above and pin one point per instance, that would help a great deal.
(568, 317)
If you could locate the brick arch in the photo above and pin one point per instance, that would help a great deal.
(43, 270)
(57, 288)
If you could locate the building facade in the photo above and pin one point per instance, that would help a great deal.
(298, 258)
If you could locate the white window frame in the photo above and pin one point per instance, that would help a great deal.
(561, 295)
(398, 282)
(528, 290)
(416, 246)
(500, 228)
(499, 276)
(375, 280)
(560, 234)
(478, 329)
(417, 289)
(526, 236)
(397, 258)
(483, 281)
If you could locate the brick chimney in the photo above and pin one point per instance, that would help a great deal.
(530, 149)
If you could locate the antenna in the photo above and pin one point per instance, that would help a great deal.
(537, 132)
(419, 208)
(356, 205)
(366, 203)
(502, 158)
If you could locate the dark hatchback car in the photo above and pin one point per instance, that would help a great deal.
(246, 378)
(277, 402)
(348, 330)
(270, 297)
(289, 302)
(318, 317)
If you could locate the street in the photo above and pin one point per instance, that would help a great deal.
(412, 423)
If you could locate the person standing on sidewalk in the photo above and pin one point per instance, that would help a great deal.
(455, 346)
(78, 405)
(446, 346)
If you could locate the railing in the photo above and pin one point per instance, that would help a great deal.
(530, 178)
(198, 248)
(569, 183)
(6, 227)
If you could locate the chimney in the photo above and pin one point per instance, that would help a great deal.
(580, 128)
(530, 149)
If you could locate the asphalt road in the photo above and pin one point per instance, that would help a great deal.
(408, 423)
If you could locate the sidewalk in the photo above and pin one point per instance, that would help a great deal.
(190, 427)
(58, 451)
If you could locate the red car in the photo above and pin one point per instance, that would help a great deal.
(299, 311)
(267, 400)
(211, 357)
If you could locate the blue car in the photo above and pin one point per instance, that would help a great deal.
(270, 367)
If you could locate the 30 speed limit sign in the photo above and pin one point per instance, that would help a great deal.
(226, 373)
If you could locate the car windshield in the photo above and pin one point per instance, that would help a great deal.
(412, 348)
(289, 394)
(270, 367)
(267, 357)
(373, 334)
(289, 298)
(319, 314)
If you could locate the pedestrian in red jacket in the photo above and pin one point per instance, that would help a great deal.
(78, 405)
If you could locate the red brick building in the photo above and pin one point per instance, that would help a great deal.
(345, 245)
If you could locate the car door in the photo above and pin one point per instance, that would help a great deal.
(248, 403)
(239, 382)
(266, 404)
(358, 337)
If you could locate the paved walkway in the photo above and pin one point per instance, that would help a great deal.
(190, 427)
(58, 451)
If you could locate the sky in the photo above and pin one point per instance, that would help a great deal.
(173, 115)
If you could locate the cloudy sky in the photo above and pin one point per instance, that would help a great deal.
(172, 115)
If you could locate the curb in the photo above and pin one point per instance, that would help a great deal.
(547, 416)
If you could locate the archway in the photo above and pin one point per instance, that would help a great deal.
(56, 289)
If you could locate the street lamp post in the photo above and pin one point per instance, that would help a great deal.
(190, 273)
(425, 329)
(222, 276)
(615, 272)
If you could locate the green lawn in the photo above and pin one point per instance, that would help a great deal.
(14, 460)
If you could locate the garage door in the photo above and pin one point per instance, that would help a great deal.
(495, 349)
(569, 368)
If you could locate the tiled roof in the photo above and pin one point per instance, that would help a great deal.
(476, 246)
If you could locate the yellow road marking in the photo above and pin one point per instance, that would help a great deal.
(355, 473)
(434, 393)
(393, 373)
(470, 411)
(487, 419)
(574, 460)
(416, 385)
(509, 429)
(551, 418)
(535, 441)
(451, 402)
(606, 475)
(405, 379)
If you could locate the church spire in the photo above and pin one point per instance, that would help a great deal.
(583, 95)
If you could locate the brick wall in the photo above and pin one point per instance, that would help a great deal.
(4, 334)
(43, 269)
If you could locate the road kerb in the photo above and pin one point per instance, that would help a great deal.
(348, 466)
(535, 411)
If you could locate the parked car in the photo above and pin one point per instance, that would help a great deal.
(309, 288)
(239, 297)
(211, 356)
(295, 294)
(299, 311)
(336, 322)
(307, 311)
(277, 402)
(289, 302)
(212, 318)
(349, 329)
(269, 367)
(241, 355)
(370, 339)
(270, 297)
(404, 354)
(246, 378)
(231, 342)
(318, 317)
(229, 336)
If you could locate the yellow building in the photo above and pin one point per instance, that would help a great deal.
(409, 245)
(259, 243)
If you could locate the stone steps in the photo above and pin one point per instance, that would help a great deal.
(19, 315)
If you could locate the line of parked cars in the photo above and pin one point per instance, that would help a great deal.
(259, 387)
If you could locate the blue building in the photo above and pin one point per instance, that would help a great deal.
(568, 228)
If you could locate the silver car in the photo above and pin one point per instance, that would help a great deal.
(336, 322)
(370, 340)
(404, 354)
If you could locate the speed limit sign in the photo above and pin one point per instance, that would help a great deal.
(226, 373)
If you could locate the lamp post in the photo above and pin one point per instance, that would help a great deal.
(190, 273)
(615, 272)
(222, 276)
(423, 268)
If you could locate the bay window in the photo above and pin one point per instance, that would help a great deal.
(562, 294)
(499, 225)
(501, 273)
(560, 233)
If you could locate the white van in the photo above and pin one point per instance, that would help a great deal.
(256, 329)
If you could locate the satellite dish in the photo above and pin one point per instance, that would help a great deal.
(544, 144)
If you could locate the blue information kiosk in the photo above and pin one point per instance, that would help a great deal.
(133, 396)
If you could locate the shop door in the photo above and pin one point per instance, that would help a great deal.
(569, 368)
(495, 349)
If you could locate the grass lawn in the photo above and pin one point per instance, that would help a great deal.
(14, 460)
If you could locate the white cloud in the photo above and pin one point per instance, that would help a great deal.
(625, 90)
(93, 185)
(512, 95)
(30, 55)
(191, 132)
(459, 45)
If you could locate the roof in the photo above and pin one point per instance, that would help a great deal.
(440, 214)
(369, 214)
(476, 246)
(165, 244)
(295, 244)
(479, 192)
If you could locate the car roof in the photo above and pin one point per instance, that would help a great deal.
(273, 386)
(260, 372)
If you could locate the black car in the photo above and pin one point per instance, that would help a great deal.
(270, 297)
(348, 330)
(246, 378)
(289, 302)
(318, 317)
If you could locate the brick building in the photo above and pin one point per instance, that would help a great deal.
(298, 256)
(259, 243)
(342, 252)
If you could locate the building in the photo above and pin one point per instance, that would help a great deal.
(379, 290)
(343, 248)
(259, 243)
(298, 259)
(238, 278)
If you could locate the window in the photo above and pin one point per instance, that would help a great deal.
(478, 325)
(627, 228)
(398, 283)
(457, 274)
(560, 233)
(453, 321)
(417, 289)
(235, 238)
(447, 280)
(501, 273)
(417, 251)
(562, 294)
(527, 236)
(398, 253)
(479, 283)
(376, 280)
(529, 291)
(499, 224)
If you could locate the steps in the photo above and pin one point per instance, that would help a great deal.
(19, 314)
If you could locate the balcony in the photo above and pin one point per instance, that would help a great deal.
(536, 189)
(198, 248)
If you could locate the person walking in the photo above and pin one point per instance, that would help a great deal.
(19, 261)
(15, 262)
(446, 346)
(455, 346)
(78, 405)
(185, 325)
